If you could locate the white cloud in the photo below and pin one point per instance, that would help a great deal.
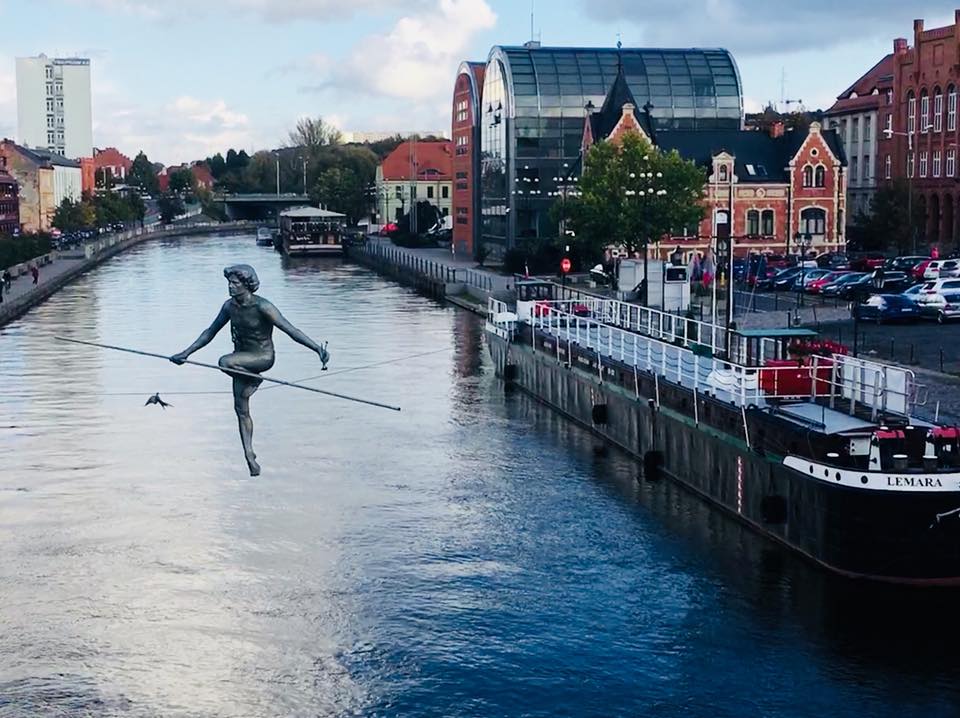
(417, 58)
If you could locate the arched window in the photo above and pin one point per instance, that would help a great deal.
(753, 222)
(911, 113)
(808, 176)
(723, 173)
(766, 223)
(937, 110)
(813, 221)
(821, 176)
(924, 111)
(951, 108)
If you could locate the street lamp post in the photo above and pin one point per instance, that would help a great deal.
(802, 241)
(639, 193)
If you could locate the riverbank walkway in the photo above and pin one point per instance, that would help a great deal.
(22, 286)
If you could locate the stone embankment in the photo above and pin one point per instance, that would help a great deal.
(58, 269)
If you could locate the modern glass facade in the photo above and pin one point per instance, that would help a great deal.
(532, 118)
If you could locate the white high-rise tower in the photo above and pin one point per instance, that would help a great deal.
(53, 105)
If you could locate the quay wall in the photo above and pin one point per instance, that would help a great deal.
(465, 287)
(94, 253)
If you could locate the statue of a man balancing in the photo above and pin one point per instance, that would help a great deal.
(252, 320)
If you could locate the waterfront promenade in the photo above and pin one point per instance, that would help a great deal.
(66, 266)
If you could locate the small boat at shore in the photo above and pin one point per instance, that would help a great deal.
(264, 237)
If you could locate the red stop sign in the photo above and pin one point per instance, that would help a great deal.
(564, 265)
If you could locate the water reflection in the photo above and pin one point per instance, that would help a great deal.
(475, 555)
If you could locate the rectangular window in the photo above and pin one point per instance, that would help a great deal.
(399, 191)
(855, 130)
(951, 163)
(49, 89)
(866, 129)
(49, 120)
(767, 223)
(866, 171)
(445, 192)
(936, 163)
(887, 167)
(889, 95)
(952, 110)
(49, 72)
(911, 165)
(924, 113)
(938, 112)
(429, 192)
(753, 222)
(923, 163)
(889, 125)
(855, 169)
(911, 115)
(49, 105)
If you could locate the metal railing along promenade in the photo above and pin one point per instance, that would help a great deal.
(825, 379)
(399, 258)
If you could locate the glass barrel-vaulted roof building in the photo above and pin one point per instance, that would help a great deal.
(532, 111)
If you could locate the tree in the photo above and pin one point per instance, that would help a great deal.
(170, 206)
(182, 180)
(143, 176)
(217, 165)
(71, 216)
(313, 133)
(887, 226)
(631, 194)
(341, 190)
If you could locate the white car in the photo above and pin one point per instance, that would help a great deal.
(931, 290)
(942, 269)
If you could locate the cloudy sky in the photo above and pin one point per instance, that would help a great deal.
(185, 78)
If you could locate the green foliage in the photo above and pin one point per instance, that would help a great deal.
(110, 208)
(23, 248)
(182, 180)
(630, 195)
(217, 165)
(341, 190)
(143, 176)
(887, 227)
(170, 206)
(311, 134)
(71, 216)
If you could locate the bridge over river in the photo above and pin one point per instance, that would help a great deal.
(259, 206)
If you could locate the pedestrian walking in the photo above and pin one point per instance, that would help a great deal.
(7, 279)
(35, 271)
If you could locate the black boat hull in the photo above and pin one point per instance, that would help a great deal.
(866, 532)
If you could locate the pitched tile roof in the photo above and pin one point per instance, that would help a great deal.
(879, 77)
(433, 160)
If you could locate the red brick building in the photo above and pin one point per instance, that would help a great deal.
(9, 202)
(111, 160)
(88, 174)
(202, 177)
(763, 189)
(465, 131)
(924, 144)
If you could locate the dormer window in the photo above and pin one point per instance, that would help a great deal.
(723, 173)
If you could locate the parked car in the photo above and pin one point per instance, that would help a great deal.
(942, 269)
(834, 288)
(920, 269)
(912, 293)
(806, 276)
(904, 263)
(929, 291)
(942, 306)
(817, 285)
(780, 280)
(888, 283)
(867, 261)
(833, 260)
(881, 308)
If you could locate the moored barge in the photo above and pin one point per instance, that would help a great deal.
(813, 448)
(311, 230)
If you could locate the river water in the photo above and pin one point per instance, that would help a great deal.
(474, 555)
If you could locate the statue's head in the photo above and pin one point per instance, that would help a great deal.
(240, 276)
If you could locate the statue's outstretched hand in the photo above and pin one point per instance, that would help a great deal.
(180, 358)
(324, 356)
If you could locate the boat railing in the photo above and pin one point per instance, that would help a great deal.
(823, 380)
(500, 320)
(667, 326)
